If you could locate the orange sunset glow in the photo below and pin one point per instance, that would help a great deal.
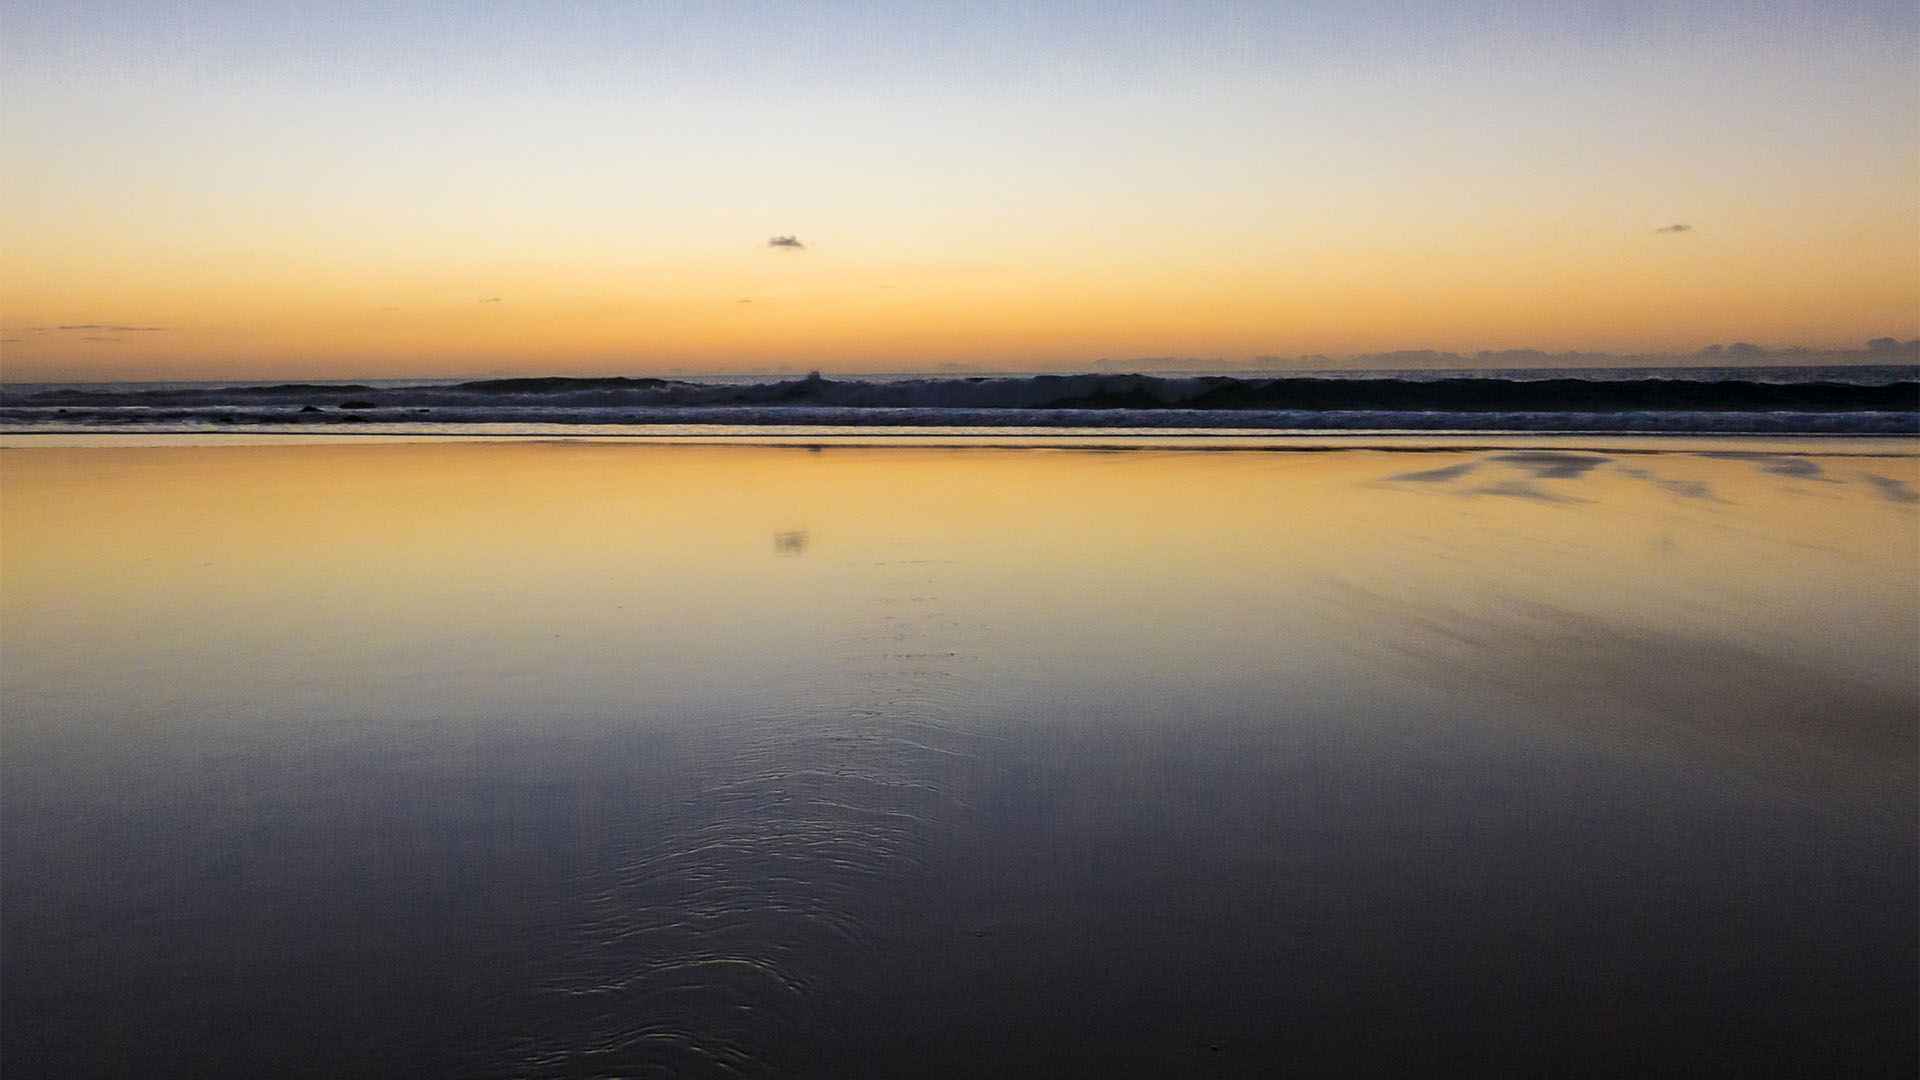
(211, 193)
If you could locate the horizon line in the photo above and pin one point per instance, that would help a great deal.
(1878, 352)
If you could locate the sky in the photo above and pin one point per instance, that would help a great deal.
(341, 190)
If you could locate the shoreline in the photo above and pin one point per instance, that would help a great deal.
(1856, 444)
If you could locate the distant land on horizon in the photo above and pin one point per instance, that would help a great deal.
(1739, 354)
(1879, 351)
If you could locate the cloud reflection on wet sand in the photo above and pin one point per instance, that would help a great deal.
(1559, 465)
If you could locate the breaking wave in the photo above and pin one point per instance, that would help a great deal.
(1870, 401)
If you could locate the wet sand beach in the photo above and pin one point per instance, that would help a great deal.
(585, 758)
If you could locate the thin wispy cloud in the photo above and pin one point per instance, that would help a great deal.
(88, 332)
(491, 300)
(1676, 227)
(791, 243)
(111, 328)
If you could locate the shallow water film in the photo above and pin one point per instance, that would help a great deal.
(581, 759)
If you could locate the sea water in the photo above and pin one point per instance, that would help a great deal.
(1879, 399)
(577, 758)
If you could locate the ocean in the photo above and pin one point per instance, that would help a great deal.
(1856, 399)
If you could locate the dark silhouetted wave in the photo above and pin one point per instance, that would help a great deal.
(1868, 400)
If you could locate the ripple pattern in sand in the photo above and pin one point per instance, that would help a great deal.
(727, 936)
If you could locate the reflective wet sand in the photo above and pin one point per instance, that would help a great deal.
(580, 759)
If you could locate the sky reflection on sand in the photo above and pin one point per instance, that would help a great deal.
(565, 759)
